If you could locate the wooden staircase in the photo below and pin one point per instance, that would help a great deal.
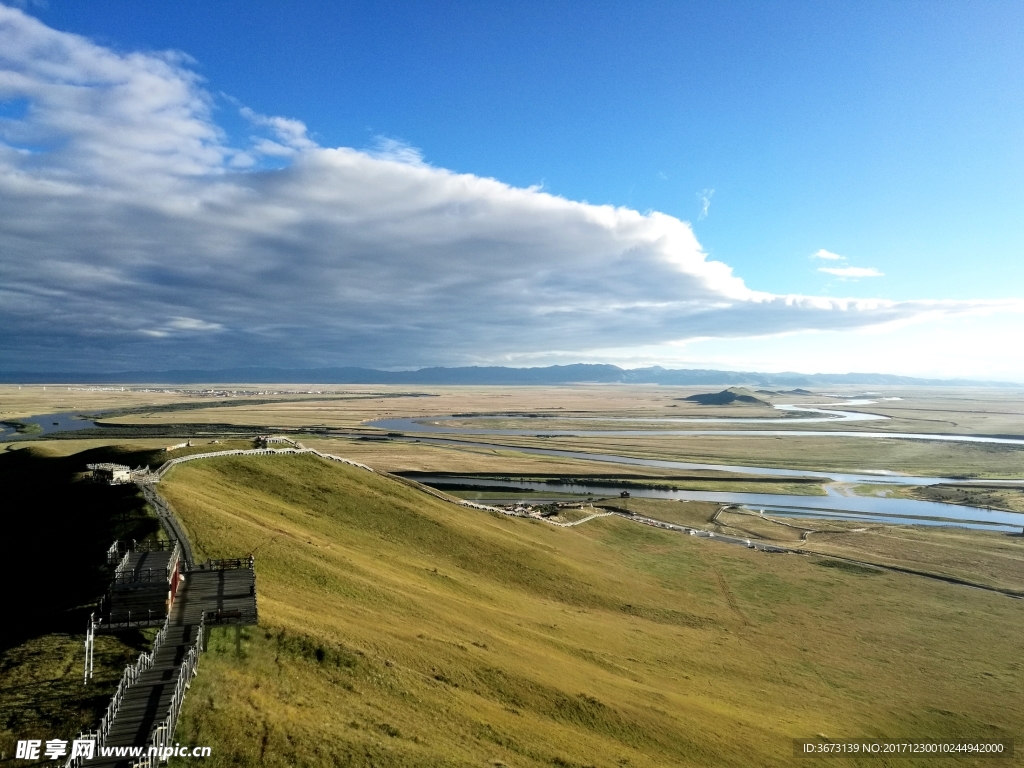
(215, 593)
(147, 701)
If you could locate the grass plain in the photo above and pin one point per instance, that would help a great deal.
(983, 557)
(347, 408)
(932, 410)
(1011, 499)
(935, 409)
(399, 630)
(837, 454)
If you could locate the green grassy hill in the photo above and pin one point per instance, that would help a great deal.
(398, 630)
(727, 397)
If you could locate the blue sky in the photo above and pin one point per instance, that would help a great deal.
(891, 134)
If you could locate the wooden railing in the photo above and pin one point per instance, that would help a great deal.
(118, 621)
(221, 616)
(122, 565)
(118, 548)
(228, 564)
(122, 575)
(152, 546)
(141, 574)
(78, 760)
(162, 734)
(90, 645)
(130, 676)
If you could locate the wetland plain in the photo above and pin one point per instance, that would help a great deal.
(419, 632)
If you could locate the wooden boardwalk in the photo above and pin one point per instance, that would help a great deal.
(138, 595)
(167, 519)
(148, 700)
(144, 563)
(145, 708)
(224, 596)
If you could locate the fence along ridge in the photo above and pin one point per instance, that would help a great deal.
(298, 449)
(167, 465)
(163, 733)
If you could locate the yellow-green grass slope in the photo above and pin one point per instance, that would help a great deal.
(396, 629)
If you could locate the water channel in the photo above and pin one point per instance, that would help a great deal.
(883, 477)
(834, 505)
(427, 425)
(68, 421)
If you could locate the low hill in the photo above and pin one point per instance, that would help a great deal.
(726, 397)
(400, 630)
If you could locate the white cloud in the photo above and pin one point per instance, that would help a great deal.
(133, 236)
(705, 202)
(852, 271)
(290, 134)
(828, 255)
(192, 324)
(396, 150)
(910, 348)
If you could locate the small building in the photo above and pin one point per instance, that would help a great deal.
(265, 441)
(112, 474)
(119, 474)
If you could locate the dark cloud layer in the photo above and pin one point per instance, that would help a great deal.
(133, 235)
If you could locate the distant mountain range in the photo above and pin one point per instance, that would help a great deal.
(553, 374)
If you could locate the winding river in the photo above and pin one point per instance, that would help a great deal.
(818, 414)
(877, 477)
(834, 505)
(68, 421)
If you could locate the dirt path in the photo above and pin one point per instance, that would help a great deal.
(730, 598)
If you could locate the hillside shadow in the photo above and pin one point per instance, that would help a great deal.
(58, 525)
